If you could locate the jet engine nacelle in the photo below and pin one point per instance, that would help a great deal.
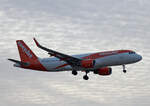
(103, 71)
(88, 63)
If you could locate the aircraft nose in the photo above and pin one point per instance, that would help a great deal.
(139, 57)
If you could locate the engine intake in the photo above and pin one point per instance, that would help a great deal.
(103, 71)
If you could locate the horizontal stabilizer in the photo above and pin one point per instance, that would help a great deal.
(19, 62)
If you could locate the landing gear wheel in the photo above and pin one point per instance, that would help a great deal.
(85, 77)
(124, 71)
(74, 72)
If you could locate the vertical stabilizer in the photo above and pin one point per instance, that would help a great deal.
(28, 57)
(26, 54)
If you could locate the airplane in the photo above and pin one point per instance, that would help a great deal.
(99, 63)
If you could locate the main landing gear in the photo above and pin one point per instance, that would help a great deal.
(85, 77)
(74, 72)
(124, 69)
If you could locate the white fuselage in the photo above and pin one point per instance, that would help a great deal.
(54, 64)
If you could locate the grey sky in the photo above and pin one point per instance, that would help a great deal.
(75, 27)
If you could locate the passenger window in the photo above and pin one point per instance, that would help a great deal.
(131, 52)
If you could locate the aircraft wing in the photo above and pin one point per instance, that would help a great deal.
(73, 61)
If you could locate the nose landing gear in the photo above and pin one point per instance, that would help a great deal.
(124, 69)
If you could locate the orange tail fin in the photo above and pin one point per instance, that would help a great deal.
(26, 55)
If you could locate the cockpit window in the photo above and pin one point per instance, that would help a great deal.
(131, 52)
